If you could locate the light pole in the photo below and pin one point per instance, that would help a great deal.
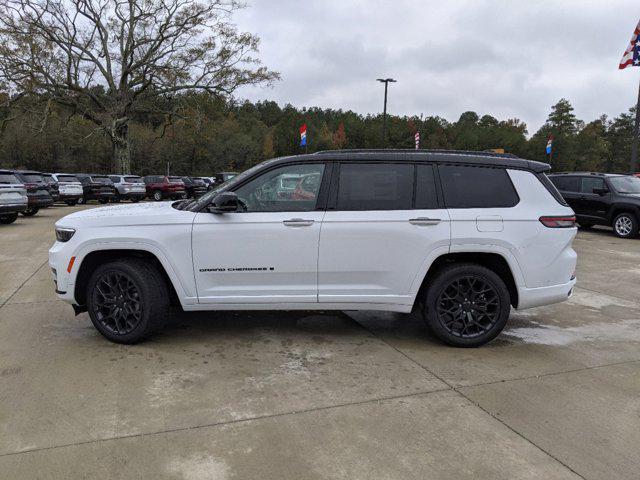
(384, 115)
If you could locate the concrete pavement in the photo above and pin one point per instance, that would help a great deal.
(320, 395)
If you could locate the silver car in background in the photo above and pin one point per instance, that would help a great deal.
(13, 197)
(129, 187)
(69, 188)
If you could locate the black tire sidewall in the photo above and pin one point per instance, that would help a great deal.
(153, 297)
(30, 212)
(634, 221)
(8, 218)
(442, 280)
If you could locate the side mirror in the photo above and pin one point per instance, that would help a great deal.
(601, 191)
(225, 202)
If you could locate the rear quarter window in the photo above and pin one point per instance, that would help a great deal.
(477, 187)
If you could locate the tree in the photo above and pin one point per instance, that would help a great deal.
(109, 61)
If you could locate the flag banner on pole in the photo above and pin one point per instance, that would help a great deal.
(631, 57)
(549, 144)
(303, 135)
(417, 138)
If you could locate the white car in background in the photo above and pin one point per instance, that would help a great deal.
(69, 188)
(13, 197)
(460, 236)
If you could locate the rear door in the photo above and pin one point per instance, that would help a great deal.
(379, 232)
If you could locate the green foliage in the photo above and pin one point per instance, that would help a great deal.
(213, 134)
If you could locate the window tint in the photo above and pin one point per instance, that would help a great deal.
(8, 178)
(477, 187)
(32, 177)
(567, 184)
(132, 179)
(292, 188)
(114, 178)
(372, 186)
(589, 183)
(426, 196)
(67, 178)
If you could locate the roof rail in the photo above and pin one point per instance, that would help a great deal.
(417, 152)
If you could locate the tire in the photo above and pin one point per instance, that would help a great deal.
(30, 212)
(117, 198)
(626, 225)
(82, 201)
(585, 226)
(71, 203)
(135, 200)
(157, 195)
(450, 286)
(8, 218)
(145, 283)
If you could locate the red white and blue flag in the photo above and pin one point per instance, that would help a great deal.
(631, 57)
(303, 135)
(549, 144)
(417, 139)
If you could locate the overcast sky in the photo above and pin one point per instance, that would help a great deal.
(507, 58)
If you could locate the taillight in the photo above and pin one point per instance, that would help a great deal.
(559, 222)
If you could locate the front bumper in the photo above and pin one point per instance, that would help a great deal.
(59, 258)
(537, 297)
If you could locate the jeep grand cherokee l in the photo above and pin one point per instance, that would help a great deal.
(602, 199)
(129, 187)
(37, 191)
(461, 236)
(13, 197)
(96, 187)
(69, 188)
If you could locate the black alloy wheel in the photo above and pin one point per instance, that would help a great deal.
(8, 218)
(467, 305)
(116, 302)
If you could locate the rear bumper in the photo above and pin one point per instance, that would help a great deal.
(12, 207)
(38, 202)
(537, 297)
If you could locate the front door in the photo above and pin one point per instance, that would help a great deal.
(267, 253)
(593, 205)
(377, 235)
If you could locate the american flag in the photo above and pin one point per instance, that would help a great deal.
(631, 55)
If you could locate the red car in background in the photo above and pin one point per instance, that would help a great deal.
(160, 187)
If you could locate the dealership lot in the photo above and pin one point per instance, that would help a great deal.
(312, 395)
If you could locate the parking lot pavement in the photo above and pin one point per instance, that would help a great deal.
(320, 395)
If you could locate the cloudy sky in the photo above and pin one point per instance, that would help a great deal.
(508, 58)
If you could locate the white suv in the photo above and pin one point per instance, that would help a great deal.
(462, 236)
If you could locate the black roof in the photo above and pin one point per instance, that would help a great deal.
(442, 156)
(27, 172)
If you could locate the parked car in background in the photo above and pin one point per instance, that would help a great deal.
(37, 191)
(194, 187)
(208, 181)
(461, 237)
(602, 199)
(96, 187)
(13, 197)
(160, 187)
(52, 186)
(69, 188)
(129, 187)
(220, 178)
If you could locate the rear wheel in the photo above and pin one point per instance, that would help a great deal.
(82, 201)
(8, 218)
(127, 300)
(467, 305)
(625, 225)
(157, 195)
(30, 212)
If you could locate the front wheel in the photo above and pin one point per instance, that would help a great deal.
(157, 195)
(467, 305)
(30, 212)
(625, 225)
(8, 218)
(127, 300)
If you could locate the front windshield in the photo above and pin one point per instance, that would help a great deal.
(626, 184)
(196, 205)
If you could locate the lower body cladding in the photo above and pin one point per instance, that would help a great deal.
(8, 208)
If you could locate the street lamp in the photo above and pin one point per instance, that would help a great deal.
(384, 115)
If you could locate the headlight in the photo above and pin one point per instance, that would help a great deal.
(64, 234)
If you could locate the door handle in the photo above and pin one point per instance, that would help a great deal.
(424, 221)
(298, 222)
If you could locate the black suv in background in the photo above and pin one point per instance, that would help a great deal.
(37, 191)
(96, 187)
(52, 186)
(195, 187)
(602, 199)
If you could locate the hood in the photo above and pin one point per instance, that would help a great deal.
(157, 213)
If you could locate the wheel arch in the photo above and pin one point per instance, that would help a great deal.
(624, 208)
(95, 258)
(491, 260)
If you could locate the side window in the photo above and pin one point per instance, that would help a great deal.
(372, 186)
(567, 184)
(477, 187)
(589, 183)
(426, 196)
(114, 178)
(293, 188)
